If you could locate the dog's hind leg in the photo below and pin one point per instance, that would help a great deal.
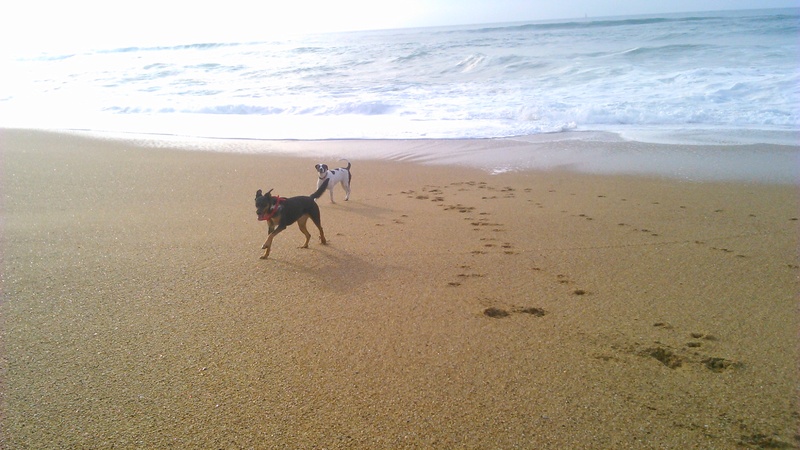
(316, 219)
(346, 186)
(301, 222)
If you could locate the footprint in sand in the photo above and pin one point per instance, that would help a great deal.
(508, 192)
(708, 337)
(498, 313)
(675, 358)
(538, 312)
(726, 250)
(485, 223)
(563, 279)
(719, 365)
(761, 440)
(665, 356)
(471, 275)
(459, 207)
(645, 230)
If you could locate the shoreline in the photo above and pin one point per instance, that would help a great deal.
(591, 152)
(450, 308)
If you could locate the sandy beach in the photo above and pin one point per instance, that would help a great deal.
(451, 308)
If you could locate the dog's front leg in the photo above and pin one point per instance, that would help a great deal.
(268, 243)
(267, 246)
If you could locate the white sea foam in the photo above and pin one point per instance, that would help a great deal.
(630, 74)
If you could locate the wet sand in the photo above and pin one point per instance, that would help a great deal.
(450, 309)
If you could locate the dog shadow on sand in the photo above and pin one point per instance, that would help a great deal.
(336, 269)
(359, 208)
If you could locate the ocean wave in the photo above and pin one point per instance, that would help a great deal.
(731, 70)
(48, 57)
(240, 110)
(468, 64)
(197, 46)
(366, 108)
(587, 24)
(667, 50)
(411, 57)
(304, 50)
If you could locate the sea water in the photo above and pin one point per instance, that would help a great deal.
(709, 78)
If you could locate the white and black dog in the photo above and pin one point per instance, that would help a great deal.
(341, 175)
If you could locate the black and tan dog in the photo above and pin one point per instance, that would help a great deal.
(281, 212)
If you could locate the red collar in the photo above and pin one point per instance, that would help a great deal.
(274, 209)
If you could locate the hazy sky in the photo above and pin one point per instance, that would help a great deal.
(58, 25)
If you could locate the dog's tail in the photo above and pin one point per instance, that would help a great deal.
(349, 173)
(321, 189)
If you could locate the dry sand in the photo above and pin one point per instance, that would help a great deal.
(450, 309)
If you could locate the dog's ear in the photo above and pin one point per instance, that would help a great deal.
(268, 192)
(258, 193)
